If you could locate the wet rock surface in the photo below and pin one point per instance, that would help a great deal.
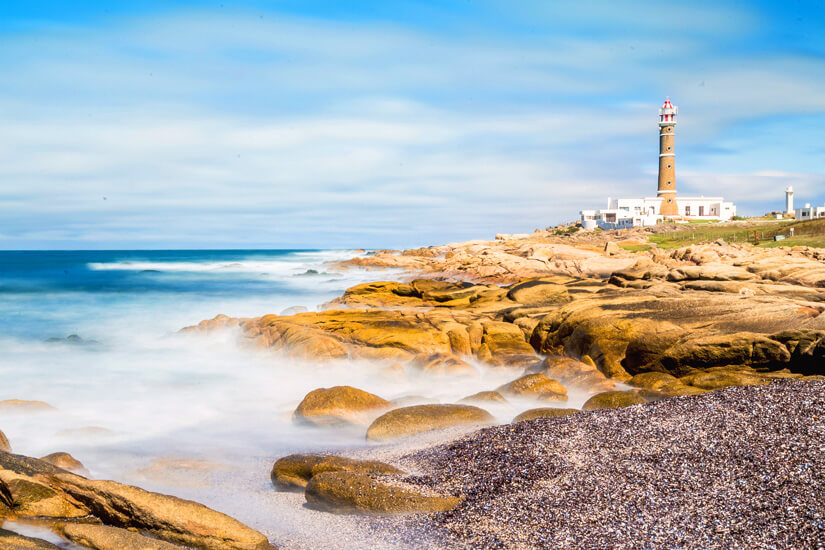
(613, 399)
(101, 537)
(33, 488)
(544, 412)
(416, 419)
(294, 471)
(9, 540)
(742, 467)
(67, 462)
(355, 492)
(339, 405)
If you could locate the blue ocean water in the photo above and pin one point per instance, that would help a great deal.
(201, 416)
(47, 294)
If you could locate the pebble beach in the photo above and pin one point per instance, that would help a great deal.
(742, 467)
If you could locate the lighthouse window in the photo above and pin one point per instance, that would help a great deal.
(668, 147)
(668, 165)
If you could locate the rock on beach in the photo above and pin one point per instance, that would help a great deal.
(422, 418)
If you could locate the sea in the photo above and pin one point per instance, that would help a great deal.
(95, 335)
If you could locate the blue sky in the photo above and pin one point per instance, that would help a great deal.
(390, 124)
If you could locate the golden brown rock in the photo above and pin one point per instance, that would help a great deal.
(339, 405)
(67, 462)
(422, 418)
(34, 487)
(655, 380)
(295, 471)
(613, 399)
(5, 446)
(23, 406)
(354, 492)
(10, 540)
(535, 386)
(102, 537)
(544, 412)
(573, 373)
(485, 397)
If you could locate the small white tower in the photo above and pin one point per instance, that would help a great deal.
(789, 200)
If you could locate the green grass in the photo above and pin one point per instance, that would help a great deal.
(808, 233)
(636, 247)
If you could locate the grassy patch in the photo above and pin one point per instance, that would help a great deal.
(636, 247)
(807, 233)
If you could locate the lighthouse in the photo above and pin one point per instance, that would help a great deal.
(667, 157)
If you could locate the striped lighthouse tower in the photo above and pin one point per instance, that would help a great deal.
(667, 164)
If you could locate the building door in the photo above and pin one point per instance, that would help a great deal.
(701, 210)
(687, 210)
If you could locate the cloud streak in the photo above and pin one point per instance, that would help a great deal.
(279, 131)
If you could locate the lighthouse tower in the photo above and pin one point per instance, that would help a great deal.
(667, 170)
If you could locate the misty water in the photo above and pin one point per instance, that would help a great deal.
(198, 416)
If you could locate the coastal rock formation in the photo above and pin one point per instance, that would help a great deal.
(484, 397)
(23, 406)
(422, 418)
(355, 492)
(339, 405)
(5, 446)
(535, 386)
(102, 537)
(295, 471)
(613, 399)
(543, 412)
(573, 373)
(559, 305)
(66, 462)
(34, 488)
(10, 540)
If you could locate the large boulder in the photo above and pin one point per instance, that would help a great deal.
(33, 487)
(485, 397)
(722, 379)
(23, 406)
(339, 405)
(540, 292)
(504, 344)
(67, 462)
(544, 412)
(422, 418)
(535, 386)
(655, 380)
(10, 540)
(613, 399)
(295, 471)
(355, 492)
(5, 446)
(102, 537)
(574, 373)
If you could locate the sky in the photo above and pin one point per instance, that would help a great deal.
(301, 124)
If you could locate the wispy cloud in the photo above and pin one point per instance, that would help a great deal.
(241, 129)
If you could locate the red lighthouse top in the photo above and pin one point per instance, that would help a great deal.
(667, 114)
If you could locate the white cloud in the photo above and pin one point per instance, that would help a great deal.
(203, 131)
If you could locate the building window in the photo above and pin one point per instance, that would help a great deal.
(701, 210)
(687, 210)
(668, 147)
(668, 166)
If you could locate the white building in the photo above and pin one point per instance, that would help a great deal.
(809, 212)
(625, 213)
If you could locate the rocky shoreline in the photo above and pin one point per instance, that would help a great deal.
(697, 376)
